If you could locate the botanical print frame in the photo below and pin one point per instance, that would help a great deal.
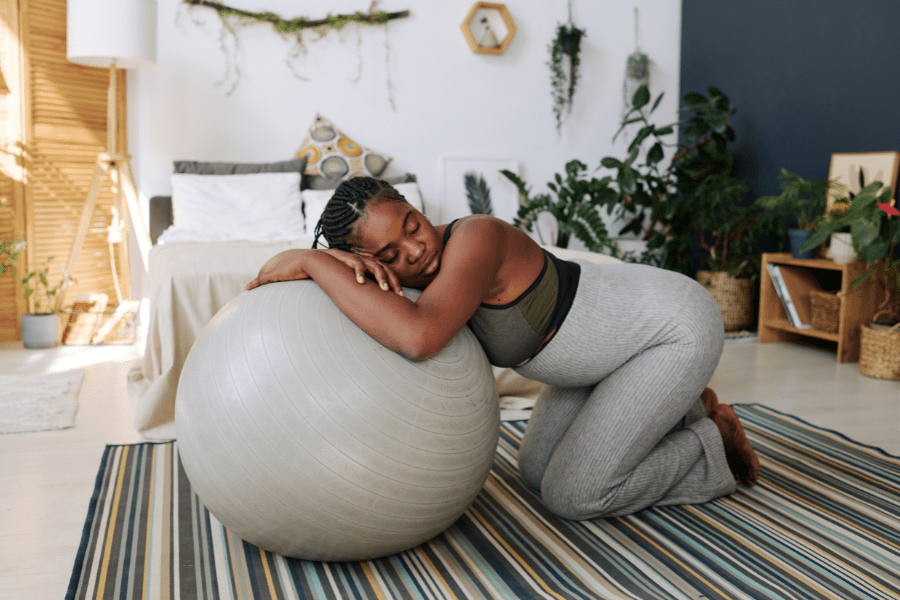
(457, 201)
(855, 170)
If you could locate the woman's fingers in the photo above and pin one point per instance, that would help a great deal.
(360, 269)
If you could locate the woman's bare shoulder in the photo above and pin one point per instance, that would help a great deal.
(475, 227)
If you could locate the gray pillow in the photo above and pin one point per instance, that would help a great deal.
(197, 167)
(320, 182)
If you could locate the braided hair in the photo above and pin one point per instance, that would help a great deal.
(347, 206)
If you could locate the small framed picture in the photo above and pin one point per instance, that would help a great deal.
(856, 170)
(476, 186)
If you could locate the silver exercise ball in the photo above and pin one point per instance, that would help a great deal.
(306, 437)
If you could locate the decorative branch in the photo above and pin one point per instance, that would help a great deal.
(294, 25)
(233, 17)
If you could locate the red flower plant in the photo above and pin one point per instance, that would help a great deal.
(889, 209)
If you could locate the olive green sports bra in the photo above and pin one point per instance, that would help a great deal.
(512, 333)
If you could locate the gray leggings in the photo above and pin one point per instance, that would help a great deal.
(619, 425)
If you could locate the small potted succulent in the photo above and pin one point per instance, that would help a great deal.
(874, 222)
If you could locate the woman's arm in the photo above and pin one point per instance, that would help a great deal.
(422, 328)
(418, 329)
(287, 266)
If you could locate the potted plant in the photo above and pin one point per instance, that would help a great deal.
(874, 223)
(840, 246)
(574, 208)
(567, 43)
(801, 201)
(693, 201)
(40, 328)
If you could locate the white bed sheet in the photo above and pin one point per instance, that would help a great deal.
(189, 283)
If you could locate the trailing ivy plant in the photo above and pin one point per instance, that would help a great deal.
(574, 208)
(567, 43)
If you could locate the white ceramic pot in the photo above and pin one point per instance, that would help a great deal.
(842, 251)
(40, 330)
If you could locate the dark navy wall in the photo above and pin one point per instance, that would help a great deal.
(808, 78)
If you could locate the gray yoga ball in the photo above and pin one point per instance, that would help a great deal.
(305, 436)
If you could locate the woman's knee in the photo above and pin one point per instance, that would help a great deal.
(571, 499)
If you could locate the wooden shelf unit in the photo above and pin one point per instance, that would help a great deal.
(803, 275)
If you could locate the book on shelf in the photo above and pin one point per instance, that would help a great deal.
(781, 290)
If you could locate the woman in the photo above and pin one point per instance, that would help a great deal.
(625, 350)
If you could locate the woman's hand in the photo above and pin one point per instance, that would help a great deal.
(362, 265)
(285, 266)
(288, 266)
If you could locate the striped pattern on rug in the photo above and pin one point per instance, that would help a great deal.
(824, 522)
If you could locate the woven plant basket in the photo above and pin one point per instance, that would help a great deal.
(734, 295)
(825, 310)
(879, 352)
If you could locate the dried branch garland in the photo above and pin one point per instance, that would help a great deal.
(232, 18)
(299, 23)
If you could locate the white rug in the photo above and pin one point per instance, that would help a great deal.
(39, 402)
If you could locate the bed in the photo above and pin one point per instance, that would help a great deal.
(194, 272)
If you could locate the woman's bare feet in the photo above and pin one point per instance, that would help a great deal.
(710, 401)
(741, 457)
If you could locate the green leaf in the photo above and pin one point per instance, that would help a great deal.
(696, 129)
(658, 100)
(641, 97)
(655, 154)
(610, 163)
(628, 180)
(517, 181)
(667, 130)
(718, 123)
(694, 99)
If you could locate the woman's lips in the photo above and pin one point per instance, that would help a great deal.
(431, 266)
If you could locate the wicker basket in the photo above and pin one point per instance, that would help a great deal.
(734, 295)
(825, 310)
(879, 352)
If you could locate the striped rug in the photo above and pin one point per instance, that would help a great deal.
(824, 522)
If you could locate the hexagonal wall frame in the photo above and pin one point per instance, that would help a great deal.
(487, 19)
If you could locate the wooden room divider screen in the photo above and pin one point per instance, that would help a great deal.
(52, 126)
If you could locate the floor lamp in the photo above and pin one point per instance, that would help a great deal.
(112, 34)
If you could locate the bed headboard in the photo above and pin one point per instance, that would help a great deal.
(160, 216)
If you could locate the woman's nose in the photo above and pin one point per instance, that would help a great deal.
(413, 250)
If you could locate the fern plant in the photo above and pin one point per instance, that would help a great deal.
(574, 208)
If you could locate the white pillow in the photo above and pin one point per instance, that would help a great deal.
(257, 206)
(314, 202)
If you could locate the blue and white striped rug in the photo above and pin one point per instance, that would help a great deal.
(824, 522)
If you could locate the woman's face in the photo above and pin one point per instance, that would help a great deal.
(402, 238)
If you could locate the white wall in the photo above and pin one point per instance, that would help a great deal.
(447, 100)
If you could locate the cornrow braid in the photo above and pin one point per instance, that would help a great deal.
(347, 206)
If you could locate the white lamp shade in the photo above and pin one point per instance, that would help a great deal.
(100, 32)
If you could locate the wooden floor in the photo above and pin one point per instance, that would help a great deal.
(46, 478)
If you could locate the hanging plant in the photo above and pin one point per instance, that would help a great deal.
(637, 70)
(233, 18)
(563, 81)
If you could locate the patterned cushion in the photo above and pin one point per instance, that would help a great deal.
(332, 154)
